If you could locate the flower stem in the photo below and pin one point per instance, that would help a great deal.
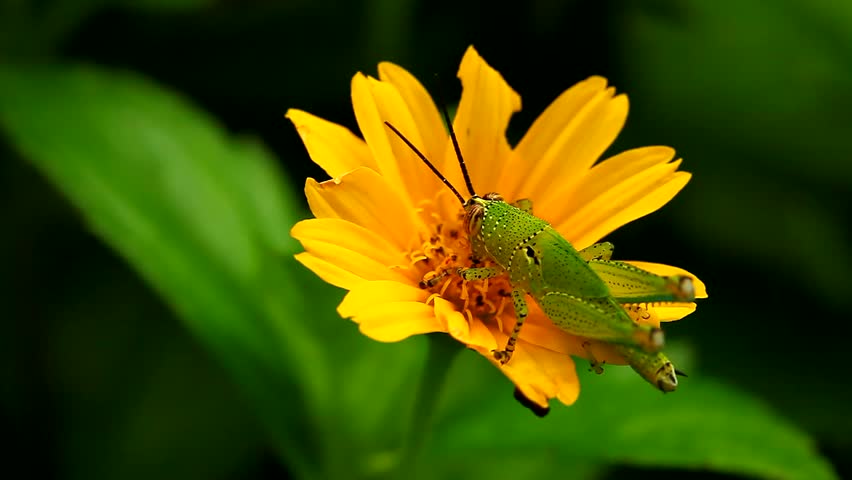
(442, 351)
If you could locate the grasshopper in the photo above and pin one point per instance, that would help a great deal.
(580, 292)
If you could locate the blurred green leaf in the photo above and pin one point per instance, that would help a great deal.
(777, 225)
(498, 463)
(754, 95)
(201, 216)
(124, 406)
(619, 419)
(29, 29)
(164, 5)
(206, 221)
(767, 80)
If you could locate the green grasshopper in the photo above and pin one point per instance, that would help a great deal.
(580, 292)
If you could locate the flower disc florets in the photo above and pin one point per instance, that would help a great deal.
(445, 252)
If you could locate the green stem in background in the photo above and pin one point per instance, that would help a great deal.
(442, 351)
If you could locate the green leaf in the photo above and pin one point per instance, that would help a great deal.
(123, 405)
(165, 5)
(619, 419)
(201, 216)
(765, 83)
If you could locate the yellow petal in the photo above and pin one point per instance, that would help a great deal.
(605, 353)
(457, 325)
(362, 266)
(330, 272)
(487, 103)
(369, 294)
(364, 198)
(350, 252)
(673, 311)
(622, 203)
(542, 374)
(354, 247)
(422, 109)
(670, 313)
(376, 102)
(395, 321)
(473, 334)
(568, 138)
(556, 201)
(643, 315)
(539, 330)
(331, 146)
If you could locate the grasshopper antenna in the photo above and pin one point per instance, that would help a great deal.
(427, 162)
(449, 123)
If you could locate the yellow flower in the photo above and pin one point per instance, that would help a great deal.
(384, 221)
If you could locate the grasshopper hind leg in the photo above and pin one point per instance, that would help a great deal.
(598, 319)
(521, 309)
(598, 251)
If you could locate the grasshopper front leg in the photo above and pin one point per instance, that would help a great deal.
(518, 301)
(630, 284)
(467, 274)
(521, 312)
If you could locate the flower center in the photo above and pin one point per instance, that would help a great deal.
(442, 254)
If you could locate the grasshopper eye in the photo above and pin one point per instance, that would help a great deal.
(474, 213)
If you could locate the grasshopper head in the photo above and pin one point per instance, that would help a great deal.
(475, 209)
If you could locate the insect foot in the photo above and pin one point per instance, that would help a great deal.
(502, 356)
(594, 365)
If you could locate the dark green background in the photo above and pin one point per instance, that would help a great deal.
(101, 380)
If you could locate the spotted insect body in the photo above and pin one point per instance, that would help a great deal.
(581, 292)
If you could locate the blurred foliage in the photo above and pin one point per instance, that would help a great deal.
(707, 426)
(99, 381)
